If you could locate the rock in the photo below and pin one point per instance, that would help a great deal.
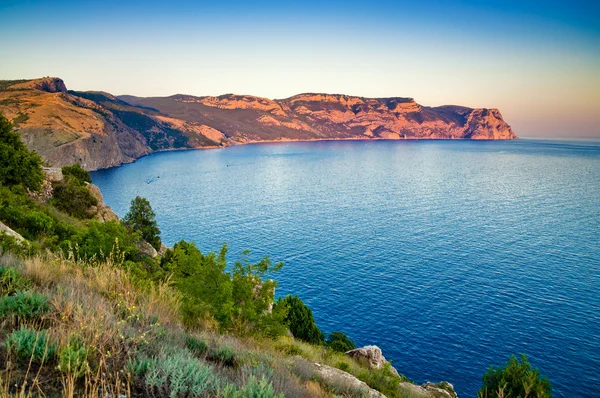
(163, 249)
(442, 389)
(102, 212)
(147, 249)
(51, 174)
(372, 355)
(333, 376)
(4, 229)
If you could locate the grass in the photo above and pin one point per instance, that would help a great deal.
(87, 327)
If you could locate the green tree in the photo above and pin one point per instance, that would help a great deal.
(516, 379)
(141, 218)
(339, 342)
(300, 320)
(18, 165)
(78, 173)
(70, 196)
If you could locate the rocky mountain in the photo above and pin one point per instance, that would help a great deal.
(100, 130)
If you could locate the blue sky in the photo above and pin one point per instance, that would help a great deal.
(538, 62)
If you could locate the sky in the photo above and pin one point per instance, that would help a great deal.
(536, 61)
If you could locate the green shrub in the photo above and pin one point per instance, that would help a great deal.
(176, 374)
(38, 222)
(24, 305)
(515, 379)
(73, 359)
(11, 281)
(254, 389)
(72, 198)
(18, 165)
(339, 342)
(198, 347)
(29, 344)
(141, 217)
(343, 366)
(383, 380)
(80, 175)
(224, 355)
(300, 320)
(101, 240)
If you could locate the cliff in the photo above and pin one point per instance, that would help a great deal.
(99, 130)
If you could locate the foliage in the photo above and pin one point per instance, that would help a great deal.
(141, 218)
(254, 389)
(24, 305)
(198, 347)
(11, 282)
(383, 380)
(300, 320)
(73, 358)
(102, 240)
(339, 342)
(18, 165)
(78, 173)
(224, 355)
(515, 379)
(70, 196)
(30, 344)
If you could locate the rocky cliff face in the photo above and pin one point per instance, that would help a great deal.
(99, 130)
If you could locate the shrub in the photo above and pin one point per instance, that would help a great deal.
(73, 359)
(515, 379)
(80, 175)
(300, 320)
(383, 380)
(198, 347)
(73, 198)
(339, 342)
(24, 305)
(18, 165)
(224, 355)
(100, 240)
(11, 281)
(254, 389)
(31, 344)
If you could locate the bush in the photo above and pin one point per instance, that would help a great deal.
(100, 240)
(300, 320)
(515, 379)
(224, 355)
(80, 175)
(11, 282)
(254, 389)
(339, 342)
(31, 344)
(73, 359)
(18, 165)
(73, 198)
(24, 305)
(383, 380)
(198, 347)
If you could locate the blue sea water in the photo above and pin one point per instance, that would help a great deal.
(449, 255)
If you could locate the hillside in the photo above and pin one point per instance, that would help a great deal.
(99, 130)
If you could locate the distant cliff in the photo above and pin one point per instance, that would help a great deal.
(100, 130)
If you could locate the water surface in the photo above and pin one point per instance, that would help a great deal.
(449, 255)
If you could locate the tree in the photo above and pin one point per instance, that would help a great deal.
(18, 165)
(141, 218)
(339, 342)
(300, 320)
(80, 175)
(515, 379)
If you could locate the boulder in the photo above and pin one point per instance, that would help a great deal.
(4, 229)
(429, 390)
(147, 249)
(371, 355)
(337, 377)
(102, 212)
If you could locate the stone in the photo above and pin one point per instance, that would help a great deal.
(335, 376)
(4, 229)
(372, 355)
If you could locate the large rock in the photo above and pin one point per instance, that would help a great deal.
(147, 249)
(4, 229)
(429, 390)
(371, 355)
(102, 212)
(337, 377)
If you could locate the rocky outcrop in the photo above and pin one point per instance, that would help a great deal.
(102, 212)
(337, 377)
(147, 249)
(372, 356)
(4, 229)
(99, 130)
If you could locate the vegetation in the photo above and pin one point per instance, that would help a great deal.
(515, 379)
(17, 164)
(84, 312)
(141, 218)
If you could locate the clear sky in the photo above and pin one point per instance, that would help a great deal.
(537, 61)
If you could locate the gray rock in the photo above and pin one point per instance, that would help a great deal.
(337, 377)
(4, 229)
(371, 355)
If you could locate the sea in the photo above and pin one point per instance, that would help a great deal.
(448, 255)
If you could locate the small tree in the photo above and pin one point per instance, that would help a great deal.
(338, 341)
(301, 321)
(515, 379)
(18, 165)
(80, 175)
(141, 218)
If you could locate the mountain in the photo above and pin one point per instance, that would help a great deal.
(99, 130)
